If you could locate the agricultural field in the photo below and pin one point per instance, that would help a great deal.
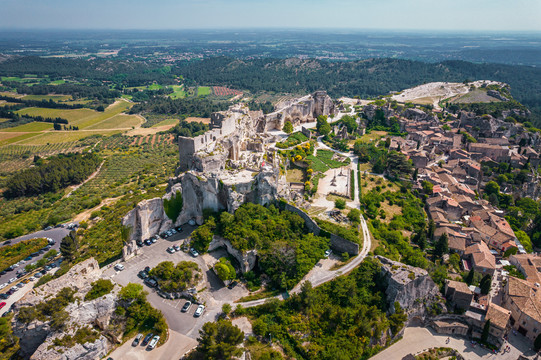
(30, 127)
(47, 97)
(203, 90)
(90, 122)
(224, 91)
(131, 163)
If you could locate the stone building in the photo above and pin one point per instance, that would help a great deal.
(459, 294)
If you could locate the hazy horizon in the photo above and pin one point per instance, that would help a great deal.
(369, 15)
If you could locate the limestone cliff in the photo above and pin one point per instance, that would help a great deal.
(217, 191)
(411, 287)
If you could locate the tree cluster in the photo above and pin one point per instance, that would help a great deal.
(52, 175)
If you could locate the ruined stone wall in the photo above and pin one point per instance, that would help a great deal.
(310, 224)
(246, 260)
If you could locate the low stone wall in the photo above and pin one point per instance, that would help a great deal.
(337, 243)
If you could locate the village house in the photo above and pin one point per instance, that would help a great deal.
(459, 294)
(523, 299)
(480, 258)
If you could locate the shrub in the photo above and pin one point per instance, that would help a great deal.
(99, 288)
(340, 204)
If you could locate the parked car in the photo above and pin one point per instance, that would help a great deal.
(194, 252)
(186, 306)
(179, 228)
(328, 252)
(139, 243)
(177, 248)
(147, 269)
(3, 272)
(3, 285)
(48, 228)
(4, 296)
(148, 242)
(199, 311)
(153, 240)
(32, 278)
(171, 250)
(38, 275)
(2, 304)
(137, 339)
(20, 285)
(7, 242)
(142, 274)
(153, 342)
(151, 282)
(232, 285)
(12, 280)
(147, 339)
(119, 267)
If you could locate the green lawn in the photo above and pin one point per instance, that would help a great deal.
(178, 93)
(203, 90)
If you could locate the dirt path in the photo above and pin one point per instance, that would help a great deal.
(85, 215)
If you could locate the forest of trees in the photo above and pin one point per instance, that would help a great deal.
(51, 175)
(121, 73)
(199, 107)
(366, 78)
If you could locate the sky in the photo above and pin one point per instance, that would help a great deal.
(455, 15)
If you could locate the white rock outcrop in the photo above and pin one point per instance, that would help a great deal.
(37, 337)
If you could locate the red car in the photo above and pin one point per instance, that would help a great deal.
(2, 304)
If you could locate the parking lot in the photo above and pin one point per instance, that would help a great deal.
(57, 234)
(211, 290)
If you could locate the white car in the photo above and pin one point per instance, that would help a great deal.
(3, 286)
(199, 311)
(194, 252)
(119, 267)
(153, 342)
(12, 280)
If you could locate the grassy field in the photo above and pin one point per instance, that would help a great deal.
(30, 127)
(166, 122)
(178, 93)
(47, 97)
(203, 90)
(475, 96)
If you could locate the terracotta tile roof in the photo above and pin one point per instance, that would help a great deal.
(481, 256)
(458, 286)
(497, 315)
(457, 243)
(526, 297)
